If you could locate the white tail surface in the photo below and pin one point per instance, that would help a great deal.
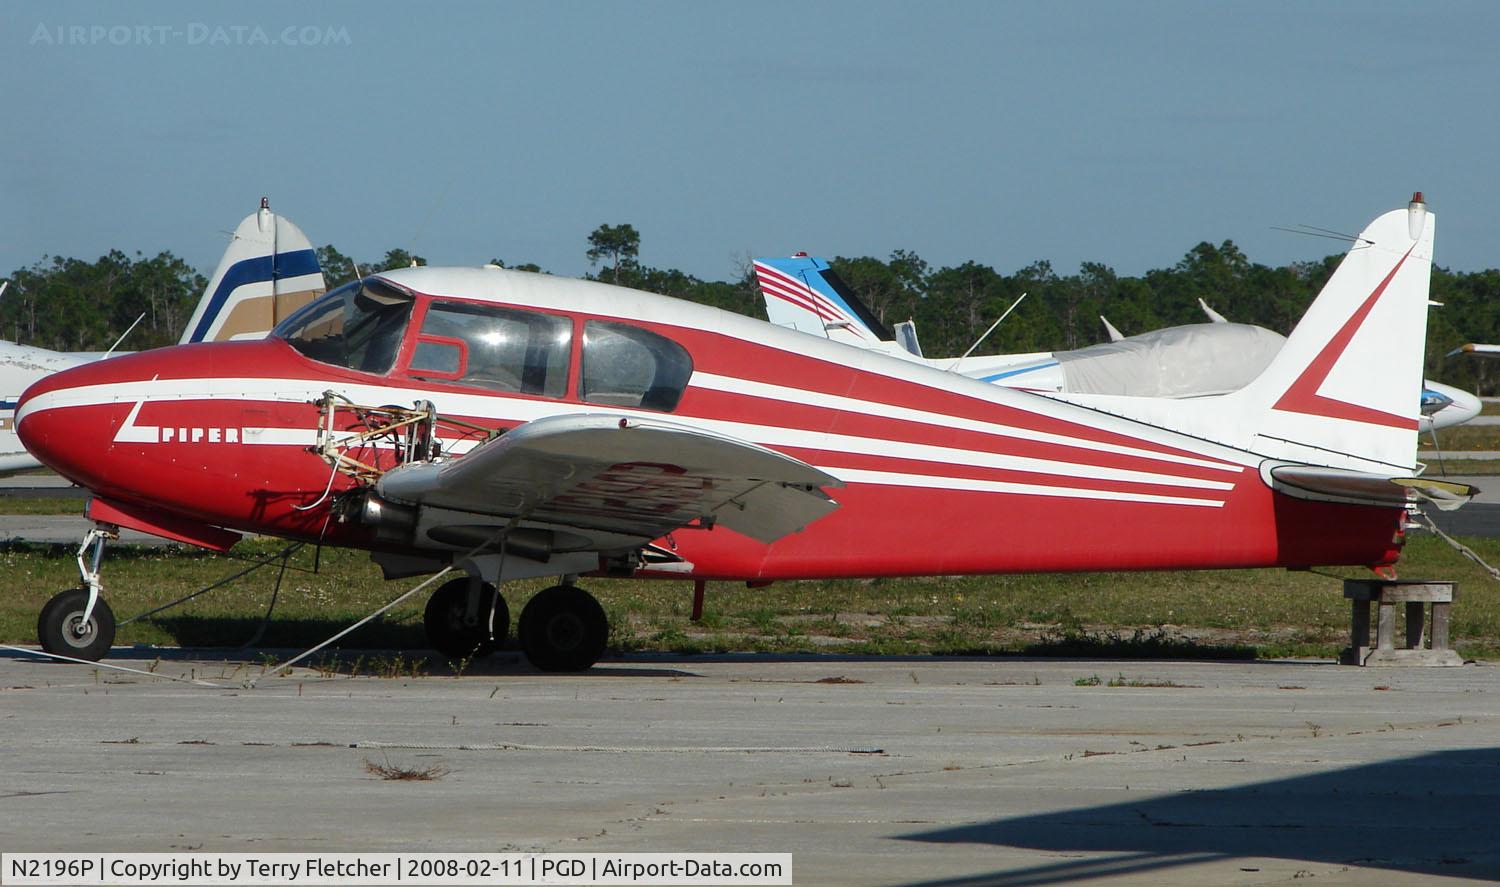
(1346, 389)
(269, 271)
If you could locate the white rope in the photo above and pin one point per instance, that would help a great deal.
(298, 658)
(498, 534)
(149, 674)
(626, 749)
(1463, 549)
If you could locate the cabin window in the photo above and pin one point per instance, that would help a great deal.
(501, 349)
(358, 326)
(626, 366)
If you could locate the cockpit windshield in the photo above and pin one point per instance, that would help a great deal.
(359, 326)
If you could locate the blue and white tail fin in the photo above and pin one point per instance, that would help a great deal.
(801, 292)
(269, 271)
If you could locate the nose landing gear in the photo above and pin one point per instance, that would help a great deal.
(67, 627)
(77, 622)
(562, 628)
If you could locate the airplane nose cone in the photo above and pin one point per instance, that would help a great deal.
(1468, 405)
(1457, 407)
(62, 432)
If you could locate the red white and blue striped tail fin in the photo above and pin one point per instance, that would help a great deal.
(269, 271)
(801, 292)
(1346, 389)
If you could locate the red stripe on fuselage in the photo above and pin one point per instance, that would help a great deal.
(731, 407)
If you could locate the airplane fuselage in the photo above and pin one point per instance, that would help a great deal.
(942, 474)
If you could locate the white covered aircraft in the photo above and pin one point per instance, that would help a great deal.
(269, 270)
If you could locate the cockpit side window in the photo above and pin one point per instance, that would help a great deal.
(502, 349)
(358, 326)
(626, 366)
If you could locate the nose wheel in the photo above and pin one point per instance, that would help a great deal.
(66, 627)
(563, 628)
(77, 623)
(458, 619)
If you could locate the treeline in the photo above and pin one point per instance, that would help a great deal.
(76, 305)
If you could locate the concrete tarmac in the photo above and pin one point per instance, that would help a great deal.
(913, 771)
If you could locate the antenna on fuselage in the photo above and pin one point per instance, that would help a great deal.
(416, 236)
(987, 332)
(124, 334)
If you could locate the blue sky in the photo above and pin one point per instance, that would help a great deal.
(1000, 132)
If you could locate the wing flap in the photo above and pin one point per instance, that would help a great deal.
(635, 477)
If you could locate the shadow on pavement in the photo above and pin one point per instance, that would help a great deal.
(1432, 814)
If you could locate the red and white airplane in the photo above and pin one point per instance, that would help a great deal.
(557, 427)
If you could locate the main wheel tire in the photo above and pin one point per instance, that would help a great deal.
(563, 628)
(60, 627)
(452, 632)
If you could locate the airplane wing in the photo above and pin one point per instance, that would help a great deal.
(608, 477)
(1361, 488)
(1478, 349)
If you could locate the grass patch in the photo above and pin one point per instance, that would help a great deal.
(1121, 681)
(1156, 643)
(1461, 467)
(41, 505)
(1466, 437)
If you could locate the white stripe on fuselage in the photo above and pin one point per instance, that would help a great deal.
(733, 385)
(861, 476)
(524, 409)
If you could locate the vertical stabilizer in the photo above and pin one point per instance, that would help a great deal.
(269, 270)
(1346, 388)
(801, 292)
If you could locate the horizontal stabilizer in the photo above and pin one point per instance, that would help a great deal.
(1478, 349)
(1445, 494)
(1362, 488)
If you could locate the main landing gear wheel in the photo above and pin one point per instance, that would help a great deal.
(458, 631)
(60, 628)
(563, 628)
